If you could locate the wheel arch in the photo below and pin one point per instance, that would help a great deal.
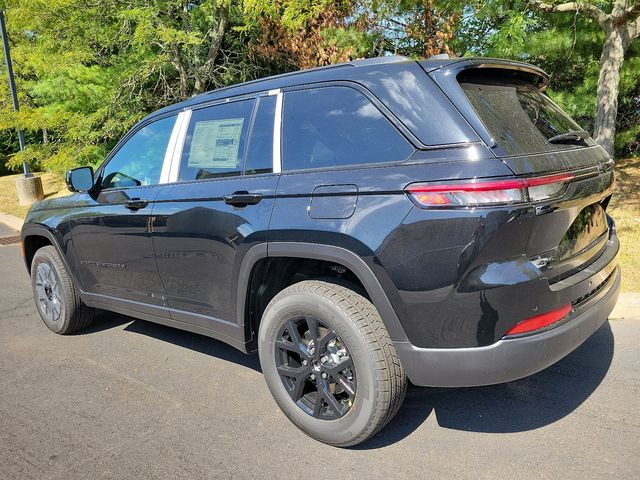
(33, 238)
(311, 251)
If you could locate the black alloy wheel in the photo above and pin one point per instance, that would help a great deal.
(315, 367)
(329, 362)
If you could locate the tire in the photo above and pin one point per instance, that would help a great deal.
(366, 396)
(56, 298)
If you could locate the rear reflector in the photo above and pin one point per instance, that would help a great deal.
(540, 321)
(489, 192)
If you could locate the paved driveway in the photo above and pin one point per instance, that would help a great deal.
(129, 399)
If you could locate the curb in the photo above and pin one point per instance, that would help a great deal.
(628, 306)
(11, 221)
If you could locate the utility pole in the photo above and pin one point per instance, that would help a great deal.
(29, 187)
(12, 85)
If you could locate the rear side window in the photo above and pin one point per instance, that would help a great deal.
(520, 118)
(215, 142)
(260, 150)
(334, 126)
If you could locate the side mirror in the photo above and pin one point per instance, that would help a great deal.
(80, 179)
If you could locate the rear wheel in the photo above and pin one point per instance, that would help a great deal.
(56, 298)
(329, 362)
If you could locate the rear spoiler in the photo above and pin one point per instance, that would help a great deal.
(445, 74)
(452, 68)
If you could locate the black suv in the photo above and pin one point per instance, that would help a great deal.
(357, 225)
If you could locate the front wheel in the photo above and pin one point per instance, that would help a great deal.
(56, 298)
(329, 362)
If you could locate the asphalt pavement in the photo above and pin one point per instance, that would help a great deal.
(129, 399)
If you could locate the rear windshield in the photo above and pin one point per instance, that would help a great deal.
(520, 118)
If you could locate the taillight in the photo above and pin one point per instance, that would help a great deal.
(540, 321)
(488, 192)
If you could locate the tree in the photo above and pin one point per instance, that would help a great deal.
(418, 28)
(297, 34)
(307, 33)
(87, 71)
(621, 27)
(189, 34)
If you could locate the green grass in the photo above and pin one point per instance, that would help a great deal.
(624, 208)
(52, 184)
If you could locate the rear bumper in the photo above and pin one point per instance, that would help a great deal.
(509, 358)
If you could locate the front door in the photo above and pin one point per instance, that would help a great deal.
(111, 230)
(218, 208)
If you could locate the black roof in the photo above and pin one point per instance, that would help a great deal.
(335, 72)
(309, 75)
(392, 79)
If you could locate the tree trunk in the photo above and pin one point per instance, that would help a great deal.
(203, 73)
(200, 85)
(182, 71)
(621, 27)
(608, 87)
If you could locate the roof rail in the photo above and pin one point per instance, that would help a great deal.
(379, 60)
(354, 63)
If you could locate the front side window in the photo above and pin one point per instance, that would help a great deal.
(139, 161)
(215, 142)
(333, 126)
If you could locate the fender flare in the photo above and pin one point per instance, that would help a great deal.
(330, 253)
(40, 230)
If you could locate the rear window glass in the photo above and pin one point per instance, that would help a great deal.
(520, 118)
(336, 126)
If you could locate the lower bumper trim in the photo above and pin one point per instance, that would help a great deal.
(507, 359)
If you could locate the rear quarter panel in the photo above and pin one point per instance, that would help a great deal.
(413, 253)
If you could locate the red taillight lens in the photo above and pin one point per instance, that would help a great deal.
(489, 192)
(540, 321)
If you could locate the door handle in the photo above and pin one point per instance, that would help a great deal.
(242, 199)
(136, 203)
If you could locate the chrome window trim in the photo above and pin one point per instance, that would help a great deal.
(176, 155)
(173, 156)
(168, 154)
(277, 132)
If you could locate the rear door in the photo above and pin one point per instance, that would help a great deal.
(217, 207)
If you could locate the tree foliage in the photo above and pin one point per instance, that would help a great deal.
(568, 44)
(87, 70)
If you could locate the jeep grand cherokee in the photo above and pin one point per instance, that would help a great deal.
(358, 225)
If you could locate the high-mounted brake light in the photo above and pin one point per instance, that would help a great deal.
(540, 321)
(489, 192)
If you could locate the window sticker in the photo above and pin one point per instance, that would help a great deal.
(215, 143)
